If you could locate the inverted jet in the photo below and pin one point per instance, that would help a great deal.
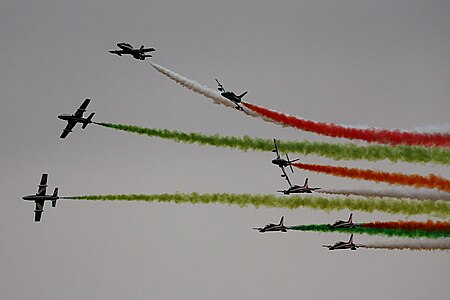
(273, 227)
(231, 96)
(343, 224)
(344, 245)
(40, 197)
(297, 189)
(281, 162)
(77, 117)
(137, 53)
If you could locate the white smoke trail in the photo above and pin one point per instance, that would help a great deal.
(434, 128)
(419, 194)
(202, 90)
(440, 244)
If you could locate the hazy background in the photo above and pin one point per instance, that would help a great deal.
(381, 63)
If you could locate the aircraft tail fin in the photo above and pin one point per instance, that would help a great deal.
(350, 218)
(55, 192)
(88, 120)
(351, 239)
(306, 182)
(282, 221)
(142, 47)
(242, 95)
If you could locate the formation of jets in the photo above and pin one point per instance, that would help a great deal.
(40, 197)
(140, 53)
(137, 53)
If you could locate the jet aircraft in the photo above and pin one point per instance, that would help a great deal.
(344, 245)
(273, 227)
(343, 224)
(77, 117)
(41, 197)
(137, 53)
(231, 96)
(297, 189)
(281, 162)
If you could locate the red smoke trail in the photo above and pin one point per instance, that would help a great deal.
(418, 181)
(411, 225)
(381, 136)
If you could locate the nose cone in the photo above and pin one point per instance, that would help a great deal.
(26, 197)
(60, 117)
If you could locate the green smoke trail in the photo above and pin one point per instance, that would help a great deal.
(333, 151)
(389, 205)
(375, 231)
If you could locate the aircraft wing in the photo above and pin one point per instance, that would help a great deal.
(39, 209)
(276, 147)
(42, 189)
(285, 176)
(68, 129)
(118, 52)
(80, 111)
(148, 49)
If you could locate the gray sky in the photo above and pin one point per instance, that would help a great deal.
(381, 63)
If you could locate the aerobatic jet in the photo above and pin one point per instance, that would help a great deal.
(297, 189)
(281, 162)
(77, 117)
(343, 224)
(137, 53)
(344, 245)
(231, 96)
(41, 197)
(273, 227)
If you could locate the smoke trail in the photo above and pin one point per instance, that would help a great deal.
(382, 136)
(419, 194)
(201, 89)
(430, 226)
(441, 244)
(430, 181)
(393, 206)
(362, 229)
(333, 151)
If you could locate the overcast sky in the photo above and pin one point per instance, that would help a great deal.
(380, 63)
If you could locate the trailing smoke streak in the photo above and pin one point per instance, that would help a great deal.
(431, 181)
(430, 226)
(441, 244)
(201, 89)
(361, 229)
(421, 194)
(394, 206)
(382, 136)
(332, 151)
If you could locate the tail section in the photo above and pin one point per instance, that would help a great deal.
(242, 95)
(350, 218)
(55, 194)
(282, 221)
(88, 120)
(351, 239)
(306, 183)
(142, 47)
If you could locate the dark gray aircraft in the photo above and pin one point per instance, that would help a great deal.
(231, 96)
(297, 189)
(344, 245)
(77, 117)
(273, 227)
(137, 53)
(281, 162)
(41, 197)
(343, 224)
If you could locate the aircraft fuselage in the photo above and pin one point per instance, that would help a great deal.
(73, 118)
(231, 96)
(280, 162)
(40, 197)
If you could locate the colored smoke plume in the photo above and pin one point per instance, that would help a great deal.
(430, 226)
(441, 244)
(332, 151)
(431, 181)
(393, 206)
(419, 194)
(382, 136)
